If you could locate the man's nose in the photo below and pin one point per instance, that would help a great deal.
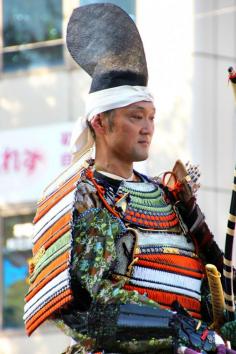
(147, 127)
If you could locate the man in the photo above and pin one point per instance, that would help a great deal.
(119, 257)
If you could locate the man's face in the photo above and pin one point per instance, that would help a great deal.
(130, 135)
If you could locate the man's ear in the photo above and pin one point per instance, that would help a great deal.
(98, 124)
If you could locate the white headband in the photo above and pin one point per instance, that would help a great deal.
(102, 101)
(115, 97)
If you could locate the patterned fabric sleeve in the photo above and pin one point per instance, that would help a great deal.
(95, 231)
(95, 255)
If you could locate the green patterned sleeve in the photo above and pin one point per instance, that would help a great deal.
(95, 232)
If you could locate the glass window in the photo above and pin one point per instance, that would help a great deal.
(127, 5)
(17, 245)
(32, 33)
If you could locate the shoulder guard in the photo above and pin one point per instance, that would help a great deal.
(49, 268)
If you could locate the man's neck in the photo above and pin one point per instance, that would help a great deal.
(124, 170)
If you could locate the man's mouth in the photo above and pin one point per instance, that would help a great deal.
(144, 142)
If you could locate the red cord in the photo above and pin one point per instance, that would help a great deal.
(101, 192)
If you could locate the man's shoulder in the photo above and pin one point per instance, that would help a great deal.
(86, 196)
(155, 180)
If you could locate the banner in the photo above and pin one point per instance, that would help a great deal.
(30, 158)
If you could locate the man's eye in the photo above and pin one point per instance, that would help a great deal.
(137, 117)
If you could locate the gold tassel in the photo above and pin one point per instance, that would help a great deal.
(217, 295)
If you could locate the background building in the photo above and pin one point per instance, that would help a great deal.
(189, 46)
(213, 137)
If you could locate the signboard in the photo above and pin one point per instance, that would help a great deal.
(30, 158)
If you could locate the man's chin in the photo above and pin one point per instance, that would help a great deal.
(140, 157)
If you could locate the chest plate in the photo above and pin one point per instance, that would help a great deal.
(164, 265)
(147, 207)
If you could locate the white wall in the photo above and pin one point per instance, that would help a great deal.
(42, 97)
(166, 28)
(214, 121)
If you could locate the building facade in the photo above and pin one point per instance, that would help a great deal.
(213, 124)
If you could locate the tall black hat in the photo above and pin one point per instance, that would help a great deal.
(105, 42)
